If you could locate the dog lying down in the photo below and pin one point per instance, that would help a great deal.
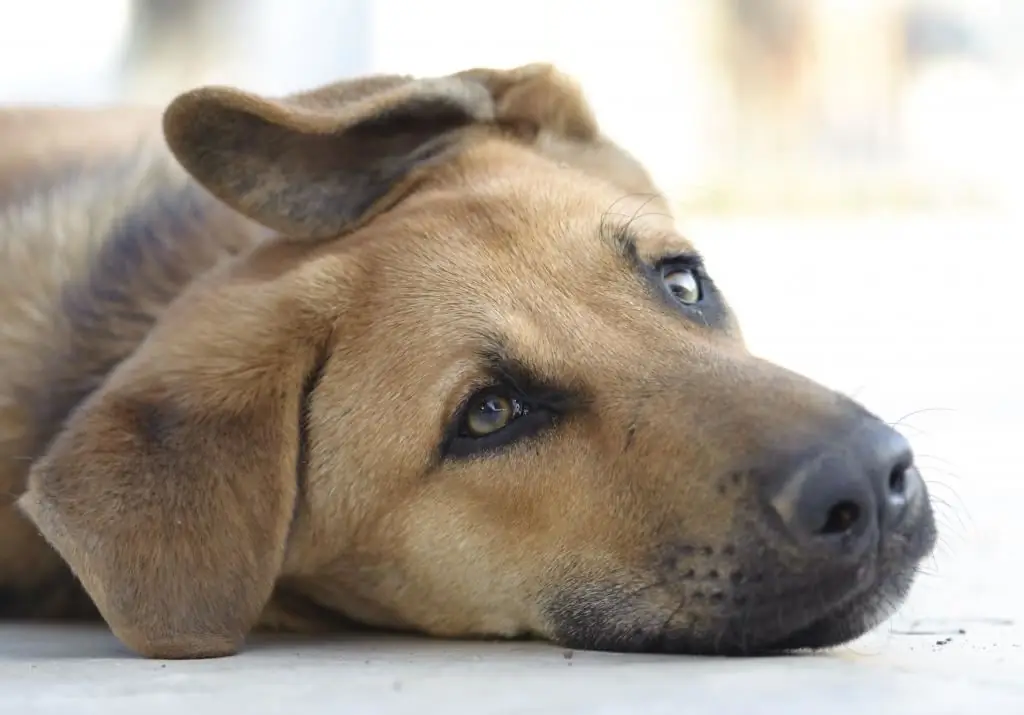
(418, 354)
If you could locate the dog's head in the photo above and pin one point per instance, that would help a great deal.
(480, 386)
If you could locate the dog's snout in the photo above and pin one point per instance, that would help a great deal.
(847, 490)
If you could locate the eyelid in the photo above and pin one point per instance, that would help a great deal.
(686, 260)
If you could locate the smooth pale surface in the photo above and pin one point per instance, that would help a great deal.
(906, 314)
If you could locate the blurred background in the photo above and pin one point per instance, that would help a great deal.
(850, 168)
(737, 105)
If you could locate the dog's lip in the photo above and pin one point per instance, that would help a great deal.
(777, 628)
(811, 614)
(842, 622)
(846, 607)
(860, 586)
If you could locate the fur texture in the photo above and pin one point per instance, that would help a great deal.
(240, 338)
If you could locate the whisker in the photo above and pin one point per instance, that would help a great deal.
(914, 413)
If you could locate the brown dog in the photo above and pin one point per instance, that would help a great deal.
(434, 358)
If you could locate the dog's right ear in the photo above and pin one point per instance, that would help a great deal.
(312, 171)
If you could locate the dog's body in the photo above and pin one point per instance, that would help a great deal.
(99, 230)
(213, 427)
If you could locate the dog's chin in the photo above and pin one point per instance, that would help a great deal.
(816, 617)
(837, 625)
(774, 631)
(804, 611)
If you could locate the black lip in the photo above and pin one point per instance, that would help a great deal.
(851, 620)
(609, 619)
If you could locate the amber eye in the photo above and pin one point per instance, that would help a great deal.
(684, 284)
(494, 417)
(490, 412)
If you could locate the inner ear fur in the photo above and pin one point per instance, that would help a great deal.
(171, 490)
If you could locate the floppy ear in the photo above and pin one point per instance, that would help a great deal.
(312, 164)
(171, 489)
(537, 97)
(311, 169)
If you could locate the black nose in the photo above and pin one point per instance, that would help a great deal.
(846, 490)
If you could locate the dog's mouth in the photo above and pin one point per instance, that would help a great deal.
(865, 608)
(765, 618)
(794, 621)
(846, 622)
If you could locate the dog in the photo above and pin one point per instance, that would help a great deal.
(418, 354)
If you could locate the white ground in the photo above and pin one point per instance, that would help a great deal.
(906, 314)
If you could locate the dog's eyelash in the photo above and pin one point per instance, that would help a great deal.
(691, 261)
(533, 394)
(532, 399)
(509, 373)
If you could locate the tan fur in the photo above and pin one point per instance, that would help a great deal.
(229, 370)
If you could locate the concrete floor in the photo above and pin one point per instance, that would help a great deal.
(913, 317)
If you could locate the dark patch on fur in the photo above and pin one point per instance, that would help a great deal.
(153, 253)
(156, 424)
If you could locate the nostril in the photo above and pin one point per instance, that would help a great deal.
(841, 518)
(901, 485)
(898, 480)
(848, 492)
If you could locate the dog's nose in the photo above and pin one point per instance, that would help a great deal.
(850, 488)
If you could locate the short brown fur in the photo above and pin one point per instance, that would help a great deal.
(230, 371)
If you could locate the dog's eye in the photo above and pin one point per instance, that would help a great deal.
(683, 283)
(489, 412)
(493, 418)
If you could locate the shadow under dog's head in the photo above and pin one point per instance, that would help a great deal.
(479, 386)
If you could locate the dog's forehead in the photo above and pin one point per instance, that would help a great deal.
(537, 260)
(543, 207)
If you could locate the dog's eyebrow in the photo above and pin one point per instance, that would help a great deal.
(500, 362)
(625, 243)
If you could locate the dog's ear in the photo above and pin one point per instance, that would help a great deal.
(170, 490)
(311, 165)
(546, 109)
(535, 98)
